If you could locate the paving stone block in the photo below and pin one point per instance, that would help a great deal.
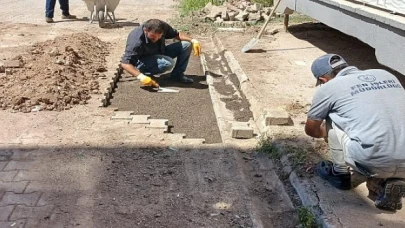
(25, 175)
(242, 130)
(103, 102)
(7, 175)
(2, 165)
(5, 212)
(277, 117)
(18, 165)
(140, 119)
(14, 224)
(16, 187)
(12, 64)
(158, 123)
(21, 212)
(123, 115)
(8, 72)
(11, 198)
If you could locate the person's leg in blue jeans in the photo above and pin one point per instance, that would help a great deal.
(64, 6)
(155, 64)
(50, 8)
(181, 51)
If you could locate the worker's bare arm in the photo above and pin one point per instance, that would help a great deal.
(131, 69)
(315, 128)
(184, 37)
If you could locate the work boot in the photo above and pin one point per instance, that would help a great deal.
(48, 20)
(375, 186)
(70, 16)
(181, 78)
(391, 196)
(339, 180)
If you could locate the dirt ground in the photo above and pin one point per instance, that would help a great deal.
(55, 74)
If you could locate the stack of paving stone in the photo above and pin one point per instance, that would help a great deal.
(231, 12)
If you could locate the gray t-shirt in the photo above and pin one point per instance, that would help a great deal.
(369, 106)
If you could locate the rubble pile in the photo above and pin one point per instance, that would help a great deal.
(54, 75)
(235, 11)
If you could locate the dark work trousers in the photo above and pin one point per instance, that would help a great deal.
(50, 7)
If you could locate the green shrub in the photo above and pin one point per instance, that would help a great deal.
(306, 218)
(266, 146)
(187, 6)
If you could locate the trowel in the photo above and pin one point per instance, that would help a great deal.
(165, 90)
(159, 89)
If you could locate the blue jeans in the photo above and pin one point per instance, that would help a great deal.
(50, 7)
(157, 64)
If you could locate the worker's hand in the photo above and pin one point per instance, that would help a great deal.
(147, 81)
(196, 47)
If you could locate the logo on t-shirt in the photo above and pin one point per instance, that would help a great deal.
(366, 78)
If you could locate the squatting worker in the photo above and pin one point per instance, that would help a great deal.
(365, 127)
(147, 54)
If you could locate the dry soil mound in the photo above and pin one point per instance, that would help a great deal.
(55, 75)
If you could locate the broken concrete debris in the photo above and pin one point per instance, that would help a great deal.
(237, 11)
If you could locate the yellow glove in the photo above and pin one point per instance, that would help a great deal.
(196, 47)
(146, 81)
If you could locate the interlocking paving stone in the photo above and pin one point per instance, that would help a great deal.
(26, 175)
(5, 212)
(2, 165)
(14, 224)
(158, 123)
(122, 115)
(10, 198)
(21, 212)
(7, 175)
(242, 130)
(18, 165)
(140, 119)
(16, 187)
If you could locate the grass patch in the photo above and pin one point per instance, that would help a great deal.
(298, 155)
(265, 3)
(188, 6)
(307, 219)
(266, 146)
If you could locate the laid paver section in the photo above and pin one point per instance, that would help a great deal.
(158, 124)
(140, 119)
(20, 165)
(16, 187)
(5, 212)
(25, 175)
(7, 175)
(2, 165)
(10, 198)
(14, 224)
(21, 212)
(123, 115)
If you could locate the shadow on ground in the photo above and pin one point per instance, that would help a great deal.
(355, 52)
(132, 186)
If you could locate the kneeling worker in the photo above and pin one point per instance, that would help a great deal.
(147, 54)
(365, 127)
